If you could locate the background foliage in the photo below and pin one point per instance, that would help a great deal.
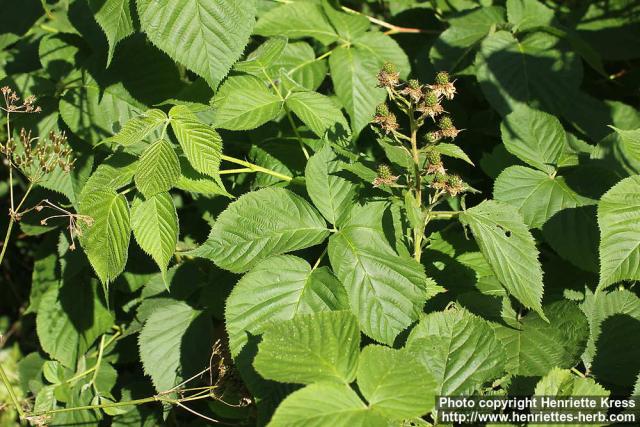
(219, 250)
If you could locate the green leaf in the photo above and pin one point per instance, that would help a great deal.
(331, 193)
(93, 112)
(139, 127)
(619, 221)
(318, 112)
(297, 20)
(529, 70)
(106, 240)
(460, 349)
(263, 57)
(348, 25)
(201, 144)
(247, 104)
(536, 138)
(155, 227)
(310, 75)
(115, 172)
(509, 248)
(158, 169)
(528, 14)
(310, 348)
(463, 36)
(386, 291)
(207, 37)
(536, 195)
(631, 142)
(354, 70)
(194, 182)
(66, 328)
(290, 286)
(562, 382)
(538, 345)
(171, 344)
(324, 404)
(114, 17)
(267, 222)
(452, 150)
(395, 383)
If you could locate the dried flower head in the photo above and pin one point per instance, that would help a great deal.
(439, 181)
(12, 105)
(39, 157)
(388, 76)
(413, 90)
(385, 177)
(443, 86)
(386, 119)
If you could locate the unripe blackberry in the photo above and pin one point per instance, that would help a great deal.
(384, 172)
(442, 78)
(445, 123)
(431, 99)
(433, 157)
(382, 110)
(389, 67)
(432, 137)
(413, 84)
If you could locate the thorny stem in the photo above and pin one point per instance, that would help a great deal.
(393, 29)
(12, 393)
(256, 168)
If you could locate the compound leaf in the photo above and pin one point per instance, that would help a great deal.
(114, 17)
(139, 127)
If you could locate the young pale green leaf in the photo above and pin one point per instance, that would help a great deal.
(292, 288)
(563, 382)
(324, 404)
(619, 221)
(311, 348)
(535, 137)
(536, 195)
(318, 112)
(139, 127)
(331, 193)
(201, 144)
(245, 103)
(66, 329)
(464, 34)
(386, 291)
(158, 169)
(114, 17)
(460, 349)
(540, 345)
(509, 248)
(267, 222)
(155, 227)
(528, 14)
(207, 37)
(395, 383)
(263, 57)
(297, 20)
(171, 343)
(106, 240)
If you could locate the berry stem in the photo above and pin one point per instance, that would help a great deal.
(418, 231)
